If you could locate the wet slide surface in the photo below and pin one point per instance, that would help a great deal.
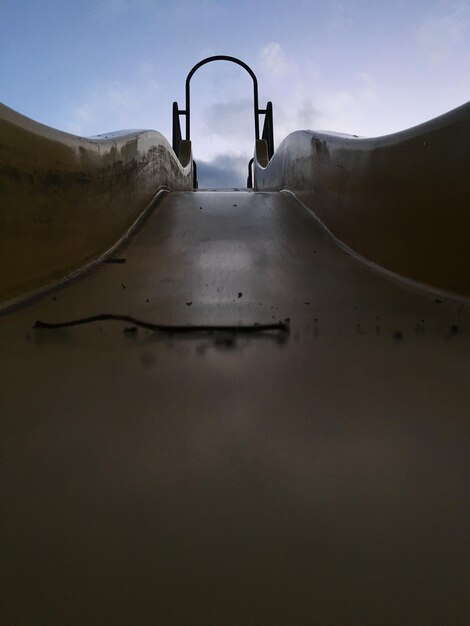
(230, 479)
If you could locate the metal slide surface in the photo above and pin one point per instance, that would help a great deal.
(314, 478)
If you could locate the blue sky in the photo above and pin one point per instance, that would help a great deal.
(359, 66)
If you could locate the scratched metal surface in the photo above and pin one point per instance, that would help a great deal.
(154, 479)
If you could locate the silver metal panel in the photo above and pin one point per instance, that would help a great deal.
(207, 479)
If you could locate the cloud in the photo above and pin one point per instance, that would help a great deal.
(230, 119)
(224, 171)
(274, 60)
(116, 8)
(114, 101)
(223, 127)
(307, 114)
(340, 19)
(348, 110)
(115, 105)
(344, 109)
(440, 36)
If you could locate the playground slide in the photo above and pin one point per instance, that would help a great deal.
(399, 201)
(232, 419)
(67, 200)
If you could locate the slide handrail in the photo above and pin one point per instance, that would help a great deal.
(267, 134)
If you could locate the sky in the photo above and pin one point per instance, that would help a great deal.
(365, 67)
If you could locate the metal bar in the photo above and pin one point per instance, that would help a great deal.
(249, 180)
(268, 129)
(232, 60)
(176, 139)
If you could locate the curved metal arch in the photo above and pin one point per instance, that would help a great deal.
(231, 60)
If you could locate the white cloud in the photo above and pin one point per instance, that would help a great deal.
(307, 114)
(339, 20)
(366, 89)
(230, 119)
(116, 8)
(115, 105)
(113, 8)
(346, 108)
(114, 100)
(273, 59)
(440, 35)
(224, 170)
(223, 127)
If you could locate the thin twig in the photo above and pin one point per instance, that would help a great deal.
(169, 328)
